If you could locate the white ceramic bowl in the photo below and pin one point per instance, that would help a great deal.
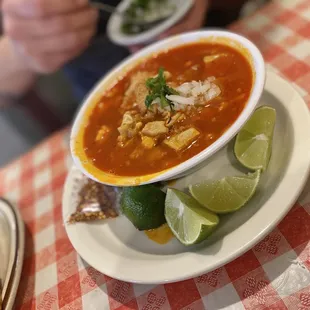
(247, 48)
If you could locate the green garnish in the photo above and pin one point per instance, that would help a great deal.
(136, 11)
(158, 88)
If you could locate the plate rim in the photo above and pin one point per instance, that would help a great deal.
(10, 217)
(294, 194)
(9, 298)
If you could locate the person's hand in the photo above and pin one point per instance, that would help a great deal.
(48, 33)
(192, 21)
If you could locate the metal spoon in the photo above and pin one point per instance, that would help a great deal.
(139, 22)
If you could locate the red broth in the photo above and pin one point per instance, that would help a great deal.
(232, 74)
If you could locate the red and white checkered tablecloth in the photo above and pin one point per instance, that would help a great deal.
(273, 275)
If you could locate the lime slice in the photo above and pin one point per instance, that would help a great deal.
(226, 195)
(254, 141)
(189, 221)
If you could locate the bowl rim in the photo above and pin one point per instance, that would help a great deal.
(260, 76)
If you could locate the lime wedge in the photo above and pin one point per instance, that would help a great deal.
(144, 206)
(189, 221)
(254, 141)
(226, 195)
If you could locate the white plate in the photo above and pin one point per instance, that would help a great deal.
(11, 250)
(118, 37)
(8, 245)
(117, 249)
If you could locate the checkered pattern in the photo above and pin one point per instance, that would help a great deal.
(273, 275)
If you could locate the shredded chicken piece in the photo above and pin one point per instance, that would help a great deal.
(154, 129)
(102, 133)
(130, 127)
(182, 140)
(138, 90)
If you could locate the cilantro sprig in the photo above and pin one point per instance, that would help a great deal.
(158, 88)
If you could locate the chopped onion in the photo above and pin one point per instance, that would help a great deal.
(184, 89)
(212, 93)
(181, 100)
(191, 93)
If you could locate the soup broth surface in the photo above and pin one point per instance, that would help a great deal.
(206, 88)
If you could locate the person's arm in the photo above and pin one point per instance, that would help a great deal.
(48, 34)
(15, 78)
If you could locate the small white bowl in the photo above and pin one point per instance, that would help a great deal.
(115, 23)
(247, 48)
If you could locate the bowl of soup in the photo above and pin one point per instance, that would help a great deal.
(165, 110)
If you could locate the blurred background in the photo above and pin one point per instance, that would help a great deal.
(48, 107)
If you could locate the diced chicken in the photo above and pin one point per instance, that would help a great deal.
(137, 90)
(148, 142)
(210, 58)
(182, 140)
(130, 127)
(138, 126)
(154, 129)
(174, 119)
(127, 119)
(102, 133)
